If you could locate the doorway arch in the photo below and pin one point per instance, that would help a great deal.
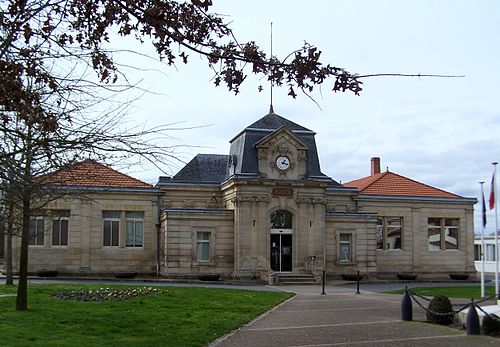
(281, 241)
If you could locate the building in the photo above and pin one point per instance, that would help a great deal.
(263, 210)
(489, 254)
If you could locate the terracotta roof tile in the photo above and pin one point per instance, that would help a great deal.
(90, 173)
(389, 183)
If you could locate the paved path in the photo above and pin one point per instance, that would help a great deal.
(344, 318)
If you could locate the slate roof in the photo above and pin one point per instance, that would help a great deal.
(389, 183)
(243, 145)
(90, 173)
(272, 121)
(204, 168)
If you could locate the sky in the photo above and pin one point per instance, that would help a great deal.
(440, 131)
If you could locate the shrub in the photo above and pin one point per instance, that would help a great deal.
(440, 304)
(491, 325)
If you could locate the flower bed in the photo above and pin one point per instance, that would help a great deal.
(106, 294)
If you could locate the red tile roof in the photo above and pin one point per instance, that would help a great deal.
(389, 183)
(90, 173)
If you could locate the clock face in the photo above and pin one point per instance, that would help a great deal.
(283, 163)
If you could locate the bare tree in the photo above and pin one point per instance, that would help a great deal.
(56, 66)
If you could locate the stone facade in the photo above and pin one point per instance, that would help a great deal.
(264, 209)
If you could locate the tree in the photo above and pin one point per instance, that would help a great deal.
(47, 53)
(40, 36)
(35, 155)
(56, 66)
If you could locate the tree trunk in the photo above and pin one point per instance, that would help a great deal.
(22, 289)
(9, 278)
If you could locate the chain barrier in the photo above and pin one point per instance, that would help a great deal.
(440, 314)
(414, 295)
(492, 316)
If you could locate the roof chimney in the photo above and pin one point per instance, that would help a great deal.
(375, 165)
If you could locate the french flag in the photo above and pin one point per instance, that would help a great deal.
(492, 193)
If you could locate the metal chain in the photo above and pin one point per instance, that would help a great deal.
(492, 316)
(462, 306)
(441, 314)
(485, 299)
(419, 296)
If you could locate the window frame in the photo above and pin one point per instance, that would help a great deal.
(135, 221)
(35, 236)
(203, 242)
(444, 228)
(110, 220)
(57, 218)
(349, 242)
(489, 252)
(383, 229)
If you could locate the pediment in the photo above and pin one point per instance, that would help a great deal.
(281, 135)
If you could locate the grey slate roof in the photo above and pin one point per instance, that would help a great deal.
(243, 145)
(272, 121)
(204, 168)
(214, 168)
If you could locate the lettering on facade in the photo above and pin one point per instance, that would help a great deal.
(282, 191)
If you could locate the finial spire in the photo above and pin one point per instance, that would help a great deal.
(271, 109)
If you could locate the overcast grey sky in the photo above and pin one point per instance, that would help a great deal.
(443, 132)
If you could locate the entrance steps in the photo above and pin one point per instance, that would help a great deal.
(293, 279)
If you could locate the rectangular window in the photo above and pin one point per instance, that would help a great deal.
(37, 231)
(345, 248)
(203, 246)
(135, 229)
(477, 252)
(111, 228)
(451, 233)
(60, 228)
(489, 255)
(389, 232)
(442, 233)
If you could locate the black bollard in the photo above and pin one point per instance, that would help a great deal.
(406, 307)
(357, 285)
(472, 322)
(324, 280)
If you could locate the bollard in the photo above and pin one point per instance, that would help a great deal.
(357, 285)
(406, 307)
(472, 322)
(324, 280)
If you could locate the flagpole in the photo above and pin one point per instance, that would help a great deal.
(496, 230)
(483, 208)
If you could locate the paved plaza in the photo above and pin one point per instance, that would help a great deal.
(339, 318)
(342, 317)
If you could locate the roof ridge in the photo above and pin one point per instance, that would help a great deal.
(425, 184)
(72, 172)
(349, 183)
(381, 174)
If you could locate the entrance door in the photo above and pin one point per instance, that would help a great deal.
(281, 252)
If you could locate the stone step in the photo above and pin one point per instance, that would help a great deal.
(295, 279)
(296, 283)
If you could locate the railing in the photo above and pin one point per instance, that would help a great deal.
(472, 321)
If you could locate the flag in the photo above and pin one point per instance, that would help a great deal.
(492, 193)
(484, 207)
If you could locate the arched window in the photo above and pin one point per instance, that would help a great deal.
(281, 219)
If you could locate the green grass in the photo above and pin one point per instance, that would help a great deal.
(465, 292)
(175, 317)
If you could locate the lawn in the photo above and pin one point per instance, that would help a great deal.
(465, 292)
(174, 317)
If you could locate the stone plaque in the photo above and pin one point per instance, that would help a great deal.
(283, 191)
